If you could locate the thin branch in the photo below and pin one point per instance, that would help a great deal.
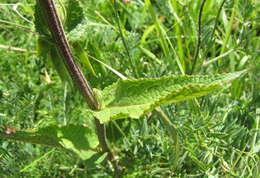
(218, 57)
(123, 38)
(101, 132)
(19, 14)
(199, 37)
(17, 25)
(216, 21)
(11, 48)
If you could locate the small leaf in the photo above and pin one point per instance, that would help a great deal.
(74, 14)
(83, 57)
(135, 97)
(146, 34)
(150, 54)
(76, 138)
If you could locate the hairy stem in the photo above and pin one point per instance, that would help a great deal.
(76, 74)
(65, 52)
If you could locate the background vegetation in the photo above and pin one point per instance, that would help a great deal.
(218, 135)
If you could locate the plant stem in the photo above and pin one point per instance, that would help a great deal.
(229, 28)
(101, 132)
(76, 74)
(65, 52)
(216, 21)
(199, 37)
(11, 48)
(123, 38)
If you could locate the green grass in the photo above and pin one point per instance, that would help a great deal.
(218, 135)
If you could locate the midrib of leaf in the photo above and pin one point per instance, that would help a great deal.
(144, 89)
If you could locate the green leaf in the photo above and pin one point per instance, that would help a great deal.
(40, 23)
(79, 33)
(150, 54)
(74, 14)
(135, 97)
(76, 138)
(43, 47)
(48, 51)
(83, 57)
(56, 60)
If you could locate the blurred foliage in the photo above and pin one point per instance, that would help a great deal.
(218, 134)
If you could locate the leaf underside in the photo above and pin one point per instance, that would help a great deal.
(76, 138)
(133, 98)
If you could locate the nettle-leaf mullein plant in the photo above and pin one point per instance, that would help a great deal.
(61, 26)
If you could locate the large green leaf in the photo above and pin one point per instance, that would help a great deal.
(76, 138)
(135, 97)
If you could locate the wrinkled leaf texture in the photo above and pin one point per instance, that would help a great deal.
(132, 98)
